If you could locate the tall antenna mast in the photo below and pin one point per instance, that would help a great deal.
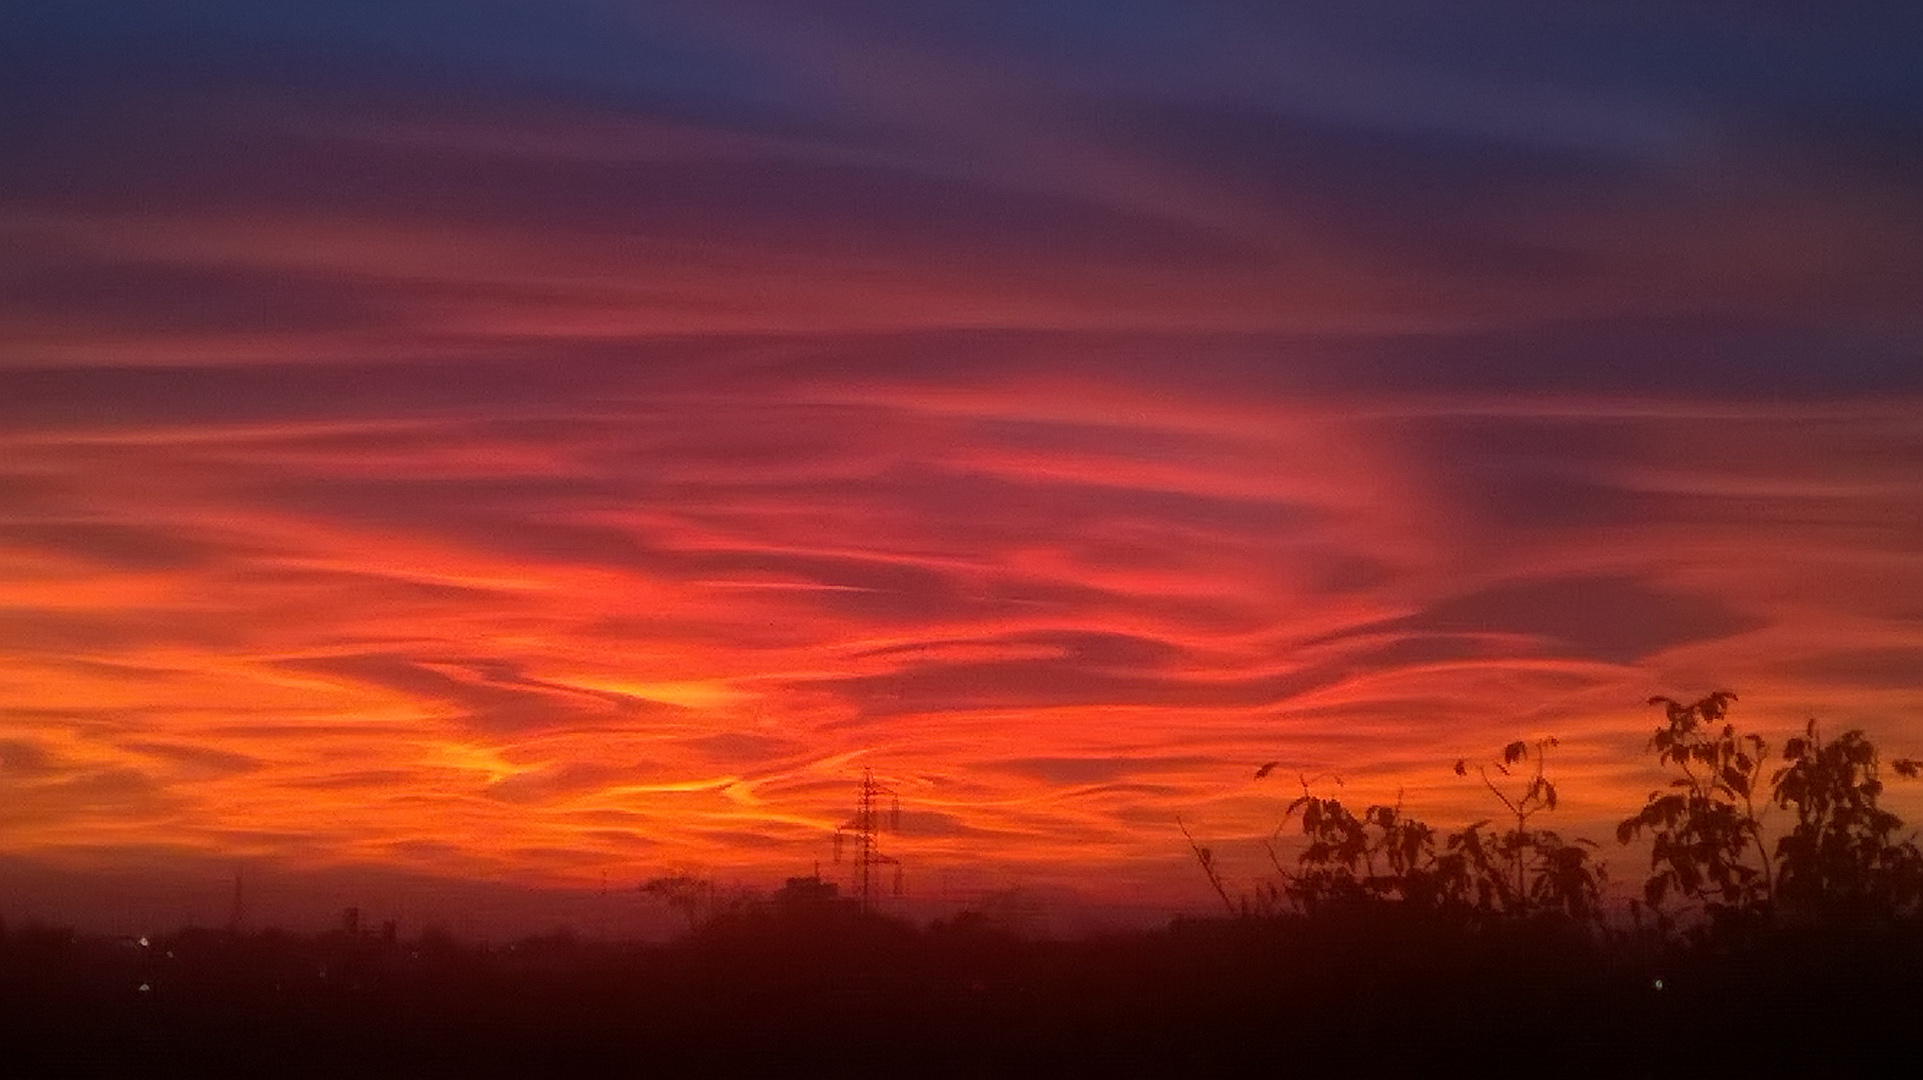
(862, 832)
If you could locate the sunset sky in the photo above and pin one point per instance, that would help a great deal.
(502, 443)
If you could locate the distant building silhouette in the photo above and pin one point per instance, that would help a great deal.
(807, 893)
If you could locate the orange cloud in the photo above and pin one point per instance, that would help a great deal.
(611, 636)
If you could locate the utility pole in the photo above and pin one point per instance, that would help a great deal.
(862, 833)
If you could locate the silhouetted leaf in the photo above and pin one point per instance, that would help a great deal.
(1267, 768)
(1737, 782)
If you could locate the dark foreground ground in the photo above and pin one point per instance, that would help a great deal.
(852, 997)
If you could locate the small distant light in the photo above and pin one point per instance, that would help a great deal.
(170, 954)
(1657, 984)
(143, 942)
(144, 988)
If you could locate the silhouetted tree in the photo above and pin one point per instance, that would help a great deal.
(690, 897)
(1842, 857)
(1524, 870)
(1707, 833)
(1382, 856)
(1842, 860)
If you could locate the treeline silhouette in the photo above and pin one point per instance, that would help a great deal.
(1384, 948)
(1841, 865)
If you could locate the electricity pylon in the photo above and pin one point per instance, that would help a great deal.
(862, 833)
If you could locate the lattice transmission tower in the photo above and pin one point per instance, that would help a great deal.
(862, 833)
